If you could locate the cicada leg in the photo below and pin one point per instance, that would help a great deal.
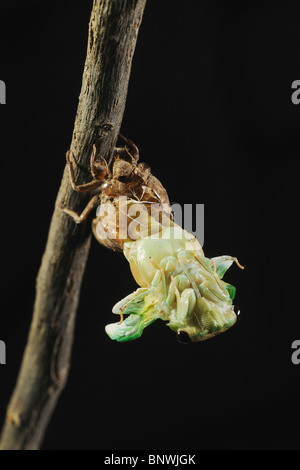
(78, 218)
(177, 285)
(95, 169)
(159, 277)
(167, 265)
(223, 263)
(98, 170)
(186, 301)
(134, 151)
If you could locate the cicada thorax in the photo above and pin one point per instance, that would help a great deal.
(136, 181)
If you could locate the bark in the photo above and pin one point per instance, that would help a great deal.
(113, 30)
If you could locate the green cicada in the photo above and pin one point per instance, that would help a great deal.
(178, 284)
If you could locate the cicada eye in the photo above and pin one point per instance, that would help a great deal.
(237, 311)
(183, 337)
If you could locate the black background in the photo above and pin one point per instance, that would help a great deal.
(209, 105)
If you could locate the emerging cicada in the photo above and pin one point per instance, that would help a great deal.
(178, 284)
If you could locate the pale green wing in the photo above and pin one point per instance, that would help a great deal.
(231, 289)
(141, 308)
(222, 263)
(131, 328)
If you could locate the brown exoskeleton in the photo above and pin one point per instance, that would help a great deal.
(128, 179)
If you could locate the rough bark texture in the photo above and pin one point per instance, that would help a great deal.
(112, 37)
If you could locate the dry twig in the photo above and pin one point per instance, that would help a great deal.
(113, 30)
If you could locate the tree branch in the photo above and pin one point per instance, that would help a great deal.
(113, 30)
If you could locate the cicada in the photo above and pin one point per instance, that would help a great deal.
(177, 283)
